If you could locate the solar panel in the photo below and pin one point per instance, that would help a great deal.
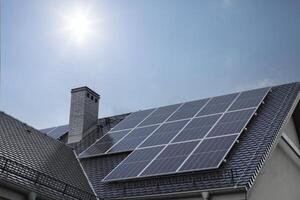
(134, 163)
(160, 115)
(132, 120)
(186, 137)
(197, 128)
(218, 104)
(133, 139)
(232, 122)
(56, 132)
(164, 134)
(209, 154)
(59, 131)
(170, 158)
(188, 110)
(105, 143)
(249, 99)
(46, 130)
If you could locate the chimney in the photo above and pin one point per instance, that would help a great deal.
(83, 112)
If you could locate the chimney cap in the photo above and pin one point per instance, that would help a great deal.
(85, 88)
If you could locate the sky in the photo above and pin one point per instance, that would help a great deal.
(141, 54)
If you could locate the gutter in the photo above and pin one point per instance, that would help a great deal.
(205, 194)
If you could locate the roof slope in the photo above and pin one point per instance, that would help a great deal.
(30, 148)
(243, 161)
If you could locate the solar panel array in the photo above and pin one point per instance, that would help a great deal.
(178, 138)
(56, 132)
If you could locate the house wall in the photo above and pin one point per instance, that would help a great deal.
(280, 177)
(291, 131)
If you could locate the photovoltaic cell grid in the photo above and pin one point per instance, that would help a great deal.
(133, 139)
(104, 144)
(249, 99)
(164, 134)
(135, 162)
(218, 104)
(197, 128)
(132, 120)
(56, 132)
(188, 110)
(198, 143)
(232, 122)
(209, 153)
(170, 159)
(160, 115)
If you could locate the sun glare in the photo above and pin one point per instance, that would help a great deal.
(78, 25)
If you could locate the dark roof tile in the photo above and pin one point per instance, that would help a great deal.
(28, 147)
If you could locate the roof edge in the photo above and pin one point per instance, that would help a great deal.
(274, 144)
(224, 190)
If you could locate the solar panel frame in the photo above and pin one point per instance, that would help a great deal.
(143, 115)
(184, 127)
(170, 157)
(164, 133)
(210, 129)
(175, 135)
(219, 104)
(197, 128)
(103, 144)
(243, 101)
(185, 111)
(104, 179)
(137, 126)
(161, 114)
(257, 106)
(221, 153)
(224, 128)
(134, 135)
(144, 161)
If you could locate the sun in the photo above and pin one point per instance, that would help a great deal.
(78, 24)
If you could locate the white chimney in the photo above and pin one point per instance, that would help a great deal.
(83, 112)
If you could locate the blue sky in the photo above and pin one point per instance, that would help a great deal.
(142, 53)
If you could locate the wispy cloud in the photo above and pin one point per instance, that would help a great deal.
(260, 84)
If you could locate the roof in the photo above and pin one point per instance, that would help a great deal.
(242, 163)
(35, 161)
